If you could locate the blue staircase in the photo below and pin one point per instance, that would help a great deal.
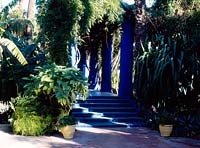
(106, 111)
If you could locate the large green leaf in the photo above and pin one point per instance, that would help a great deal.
(13, 49)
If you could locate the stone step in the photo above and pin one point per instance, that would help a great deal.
(106, 114)
(103, 97)
(103, 109)
(103, 100)
(109, 119)
(118, 104)
(96, 119)
(106, 111)
(109, 124)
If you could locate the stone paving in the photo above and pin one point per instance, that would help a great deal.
(99, 138)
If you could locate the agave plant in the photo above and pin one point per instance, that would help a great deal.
(158, 68)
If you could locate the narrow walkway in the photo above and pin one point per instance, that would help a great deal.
(98, 138)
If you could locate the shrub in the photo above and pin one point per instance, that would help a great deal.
(28, 118)
(58, 85)
(30, 125)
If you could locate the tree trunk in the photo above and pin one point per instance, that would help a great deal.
(21, 5)
(140, 25)
(31, 8)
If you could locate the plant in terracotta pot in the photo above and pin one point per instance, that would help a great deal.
(59, 87)
(166, 123)
(66, 125)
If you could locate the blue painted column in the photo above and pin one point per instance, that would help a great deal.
(107, 63)
(93, 75)
(126, 57)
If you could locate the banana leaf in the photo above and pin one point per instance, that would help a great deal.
(13, 49)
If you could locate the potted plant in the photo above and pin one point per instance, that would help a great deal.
(165, 123)
(59, 87)
(66, 125)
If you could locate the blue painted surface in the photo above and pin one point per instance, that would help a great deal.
(93, 75)
(106, 111)
(106, 64)
(126, 58)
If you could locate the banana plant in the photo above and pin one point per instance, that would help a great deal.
(8, 47)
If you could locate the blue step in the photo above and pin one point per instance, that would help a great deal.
(109, 124)
(106, 111)
(86, 104)
(109, 119)
(104, 97)
(105, 114)
(101, 100)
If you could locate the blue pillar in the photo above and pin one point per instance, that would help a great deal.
(106, 63)
(126, 58)
(93, 75)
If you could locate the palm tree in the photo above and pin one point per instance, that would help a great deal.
(31, 7)
(21, 4)
(140, 24)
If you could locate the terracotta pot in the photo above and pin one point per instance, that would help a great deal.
(68, 131)
(165, 130)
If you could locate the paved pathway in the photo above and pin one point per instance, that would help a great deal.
(98, 138)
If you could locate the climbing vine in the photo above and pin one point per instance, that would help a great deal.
(61, 21)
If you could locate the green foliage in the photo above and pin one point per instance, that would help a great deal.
(10, 48)
(5, 11)
(66, 120)
(73, 18)
(165, 118)
(187, 125)
(27, 118)
(160, 65)
(167, 69)
(60, 26)
(66, 85)
(18, 55)
(116, 60)
(48, 95)
(30, 125)
(174, 7)
(1, 32)
(19, 31)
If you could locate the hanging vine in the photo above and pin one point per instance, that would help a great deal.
(61, 21)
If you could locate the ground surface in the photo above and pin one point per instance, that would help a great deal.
(98, 138)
